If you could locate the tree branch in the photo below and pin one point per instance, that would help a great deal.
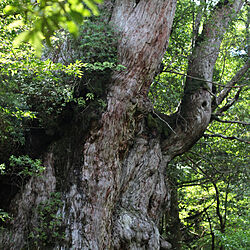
(164, 122)
(200, 79)
(229, 104)
(197, 21)
(211, 229)
(193, 182)
(226, 204)
(226, 137)
(224, 93)
(218, 204)
(191, 217)
(229, 121)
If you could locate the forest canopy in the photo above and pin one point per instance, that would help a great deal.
(50, 49)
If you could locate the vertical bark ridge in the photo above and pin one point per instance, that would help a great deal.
(140, 52)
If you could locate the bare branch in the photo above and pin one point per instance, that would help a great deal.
(200, 79)
(228, 121)
(211, 228)
(199, 213)
(164, 122)
(196, 182)
(224, 93)
(228, 104)
(218, 212)
(226, 137)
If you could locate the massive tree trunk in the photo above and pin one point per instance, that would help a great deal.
(111, 176)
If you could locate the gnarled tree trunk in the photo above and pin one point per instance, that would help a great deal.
(112, 176)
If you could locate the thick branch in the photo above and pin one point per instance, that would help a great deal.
(194, 112)
(208, 43)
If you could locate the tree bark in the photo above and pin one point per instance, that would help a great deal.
(112, 176)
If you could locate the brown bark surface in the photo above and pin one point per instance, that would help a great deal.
(112, 179)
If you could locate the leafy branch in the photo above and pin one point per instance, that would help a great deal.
(49, 16)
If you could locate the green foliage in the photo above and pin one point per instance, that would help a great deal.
(97, 42)
(4, 216)
(31, 88)
(167, 88)
(20, 169)
(27, 166)
(222, 164)
(49, 229)
(237, 237)
(213, 162)
(39, 93)
(48, 16)
(74, 70)
(96, 45)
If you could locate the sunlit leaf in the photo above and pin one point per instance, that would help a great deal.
(9, 9)
(72, 27)
(22, 37)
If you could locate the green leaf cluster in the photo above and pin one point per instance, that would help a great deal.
(46, 17)
(49, 229)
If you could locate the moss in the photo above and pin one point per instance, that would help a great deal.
(166, 131)
(195, 85)
(152, 123)
(159, 125)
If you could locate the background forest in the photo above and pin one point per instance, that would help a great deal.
(40, 87)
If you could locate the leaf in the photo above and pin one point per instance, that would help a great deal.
(72, 27)
(76, 16)
(92, 6)
(15, 24)
(22, 37)
(9, 8)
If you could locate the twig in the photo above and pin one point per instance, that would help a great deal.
(200, 79)
(228, 121)
(227, 105)
(224, 93)
(226, 137)
(164, 122)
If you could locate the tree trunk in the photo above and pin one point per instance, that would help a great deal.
(172, 220)
(112, 177)
(111, 172)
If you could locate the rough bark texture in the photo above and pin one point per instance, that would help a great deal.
(112, 177)
(112, 182)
